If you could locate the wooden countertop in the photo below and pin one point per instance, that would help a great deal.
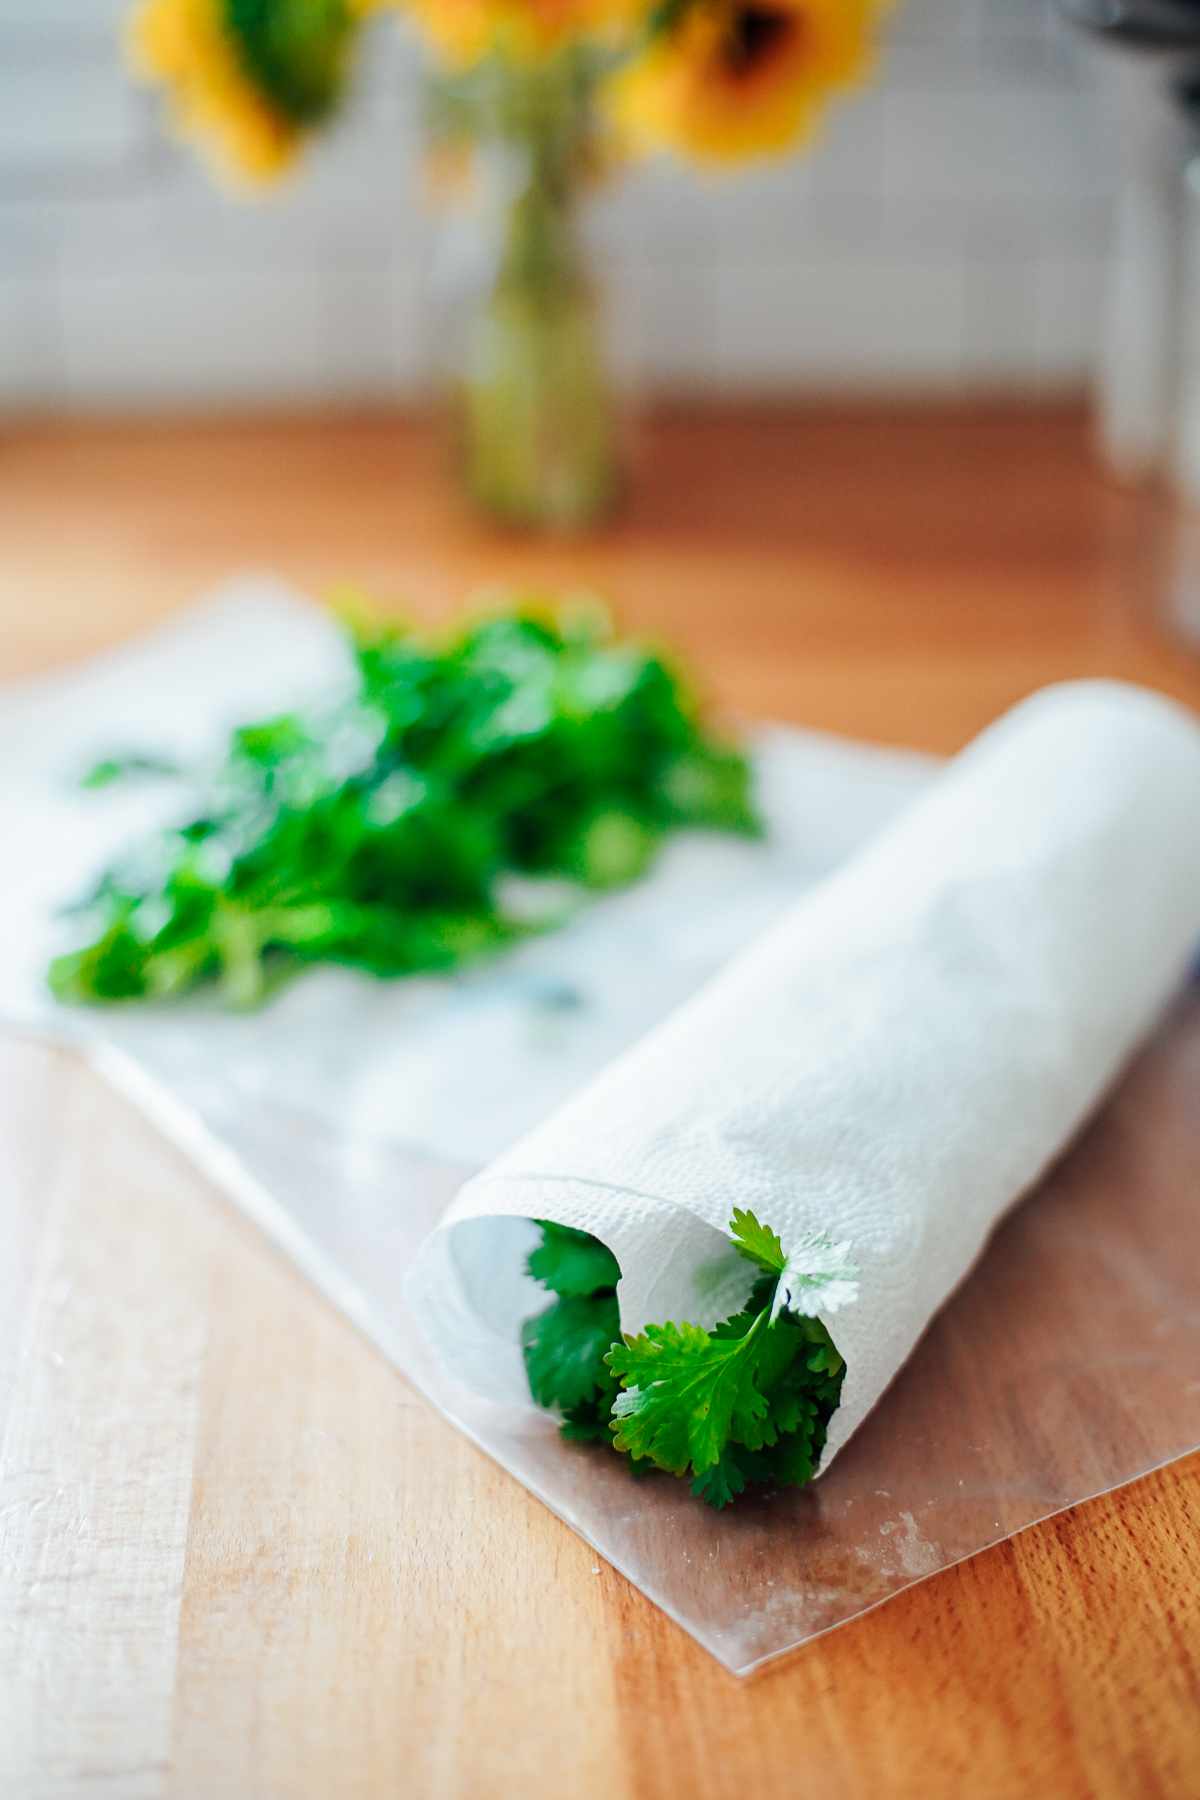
(240, 1556)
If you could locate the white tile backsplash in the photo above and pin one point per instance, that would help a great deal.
(952, 226)
(883, 321)
(210, 337)
(1000, 316)
(30, 340)
(666, 325)
(64, 112)
(1069, 302)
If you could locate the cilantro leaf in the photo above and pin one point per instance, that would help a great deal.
(757, 1243)
(565, 1345)
(588, 1420)
(573, 1262)
(686, 1393)
(386, 831)
(792, 1460)
(565, 1348)
(818, 1276)
(720, 1483)
(722, 1480)
(111, 769)
(749, 1401)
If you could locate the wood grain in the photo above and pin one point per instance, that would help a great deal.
(896, 576)
(240, 1556)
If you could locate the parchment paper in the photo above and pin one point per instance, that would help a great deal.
(344, 1117)
(888, 1067)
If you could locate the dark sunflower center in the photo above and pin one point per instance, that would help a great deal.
(756, 34)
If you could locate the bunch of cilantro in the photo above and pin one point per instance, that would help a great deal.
(422, 823)
(749, 1401)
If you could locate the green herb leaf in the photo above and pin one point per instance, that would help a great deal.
(749, 1401)
(573, 1262)
(686, 1394)
(757, 1243)
(112, 769)
(386, 832)
(565, 1347)
(723, 1480)
(818, 1276)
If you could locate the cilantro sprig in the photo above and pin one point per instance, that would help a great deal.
(473, 783)
(565, 1346)
(748, 1401)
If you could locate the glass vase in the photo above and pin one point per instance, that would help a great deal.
(534, 413)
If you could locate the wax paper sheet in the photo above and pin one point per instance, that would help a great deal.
(888, 1067)
(345, 1115)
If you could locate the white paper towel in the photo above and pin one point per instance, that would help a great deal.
(894, 1062)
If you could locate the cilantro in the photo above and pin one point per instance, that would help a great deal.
(523, 746)
(818, 1275)
(687, 1392)
(573, 1262)
(112, 769)
(757, 1243)
(748, 1401)
(566, 1345)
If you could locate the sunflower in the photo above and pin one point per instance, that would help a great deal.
(727, 80)
(464, 30)
(247, 78)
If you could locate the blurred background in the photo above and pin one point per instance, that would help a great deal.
(921, 421)
(950, 234)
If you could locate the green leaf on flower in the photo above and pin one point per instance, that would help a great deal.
(295, 52)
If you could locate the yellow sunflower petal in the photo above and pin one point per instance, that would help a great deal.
(736, 80)
(464, 30)
(181, 44)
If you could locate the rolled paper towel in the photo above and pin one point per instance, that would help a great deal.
(893, 1063)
